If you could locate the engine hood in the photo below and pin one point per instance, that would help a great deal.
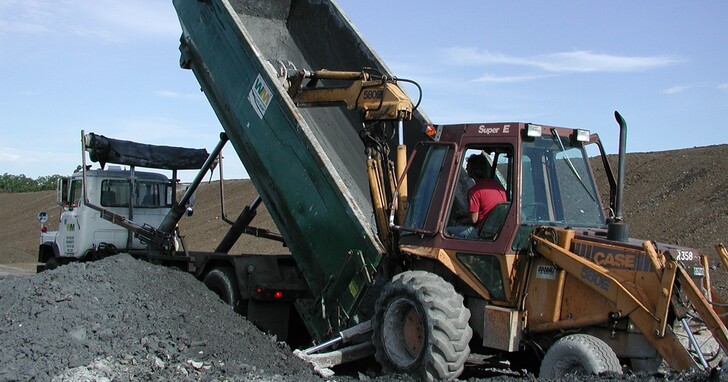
(593, 244)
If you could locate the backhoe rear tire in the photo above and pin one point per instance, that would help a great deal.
(579, 354)
(222, 281)
(421, 327)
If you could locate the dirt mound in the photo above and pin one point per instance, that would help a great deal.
(19, 237)
(124, 319)
(206, 227)
(678, 197)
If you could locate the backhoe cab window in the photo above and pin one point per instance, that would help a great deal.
(419, 203)
(557, 185)
(482, 194)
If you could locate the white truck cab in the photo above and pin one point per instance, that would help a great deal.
(110, 209)
(143, 197)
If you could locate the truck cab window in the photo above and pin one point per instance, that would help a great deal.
(114, 193)
(151, 195)
(482, 193)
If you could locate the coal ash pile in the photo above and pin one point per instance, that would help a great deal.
(124, 319)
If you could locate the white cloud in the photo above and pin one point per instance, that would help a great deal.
(508, 79)
(586, 61)
(24, 16)
(22, 27)
(9, 154)
(701, 85)
(560, 62)
(677, 89)
(140, 18)
(35, 163)
(105, 20)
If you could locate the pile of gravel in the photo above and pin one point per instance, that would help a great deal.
(123, 319)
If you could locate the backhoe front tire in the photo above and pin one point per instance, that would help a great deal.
(579, 354)
(222, 281)
(421, 327)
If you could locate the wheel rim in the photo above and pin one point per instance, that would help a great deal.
(404, 332)
(413, 331)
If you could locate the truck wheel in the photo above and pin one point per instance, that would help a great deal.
(579, 354)
(52, 263)
(421, 327)
(222, 281)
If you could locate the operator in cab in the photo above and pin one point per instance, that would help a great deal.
(485, 194)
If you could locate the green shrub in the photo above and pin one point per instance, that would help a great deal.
(21, 183)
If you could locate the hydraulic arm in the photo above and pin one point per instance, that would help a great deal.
(380, 100)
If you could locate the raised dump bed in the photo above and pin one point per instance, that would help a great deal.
(308, 164)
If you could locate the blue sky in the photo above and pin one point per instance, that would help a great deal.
(111, 67)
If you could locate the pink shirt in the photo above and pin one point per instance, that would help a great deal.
(483, 196)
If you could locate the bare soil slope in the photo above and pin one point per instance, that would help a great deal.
(678, 197)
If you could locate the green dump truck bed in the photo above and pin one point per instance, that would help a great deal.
(308, 164)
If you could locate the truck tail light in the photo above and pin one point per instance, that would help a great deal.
(269, 294)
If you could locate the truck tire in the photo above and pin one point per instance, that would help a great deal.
(579, 354)
(421, 327)
(222, 281)
(52, 263)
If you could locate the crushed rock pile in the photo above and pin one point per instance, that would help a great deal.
(123, 319)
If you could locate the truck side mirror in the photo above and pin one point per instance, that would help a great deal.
(62, 189)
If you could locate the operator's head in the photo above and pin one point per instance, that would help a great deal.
(478, 166)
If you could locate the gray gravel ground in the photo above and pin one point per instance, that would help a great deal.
(123, 319)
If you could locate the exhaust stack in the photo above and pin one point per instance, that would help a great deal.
(619, 230)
